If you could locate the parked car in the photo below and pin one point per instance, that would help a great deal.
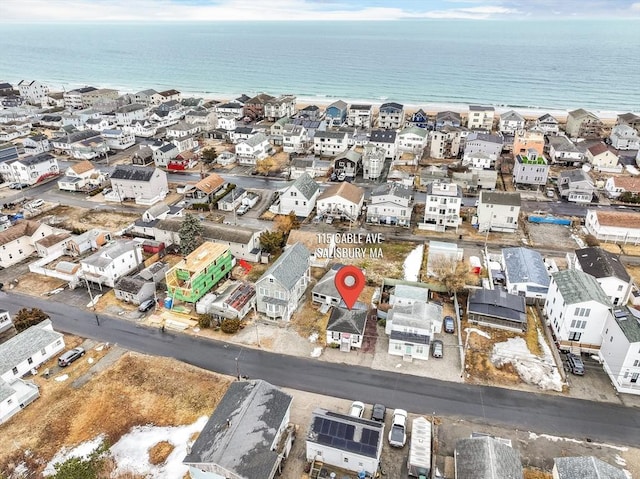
(329, 220)
(438, 349)
(242, 210)
(146, 305)
(398, 431)
(378, 413)
(449, 325)
(70, 356)
(357, 409)
(576, 366)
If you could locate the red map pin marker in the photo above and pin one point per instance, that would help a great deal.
(349, 282)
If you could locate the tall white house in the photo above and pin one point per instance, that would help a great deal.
(577, 309)
(620, 350)
(300, 197)
(498, 211)
(608, 271)
(442, 208)
(480, 117)
(33, 91)
(390, 204)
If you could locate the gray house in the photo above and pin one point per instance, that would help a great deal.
(486, 458)
(134, 289)
(576, 186)
(282, 286)
(497, 309)
(325, 291)
(247, 436)
(526, 274)
(346, 327)
(585, 467)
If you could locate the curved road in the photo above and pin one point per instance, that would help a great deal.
(541, 413)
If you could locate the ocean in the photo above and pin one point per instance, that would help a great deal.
(568, 64)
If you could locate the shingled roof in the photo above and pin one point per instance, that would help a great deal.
(599, 263)
(132, 173)
(290, 266)
(486, 458)
(241, 431)
(18, 230)
(306, 186)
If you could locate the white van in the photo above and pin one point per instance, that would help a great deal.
(36, 204)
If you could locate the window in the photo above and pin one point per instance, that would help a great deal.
(14, 370)
(397, 347)
(636, 363)
(30, 360)
(620, 287)
(574, 336)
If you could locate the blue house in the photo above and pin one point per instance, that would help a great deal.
(336, 113)
(421, 120)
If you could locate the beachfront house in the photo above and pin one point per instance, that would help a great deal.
(576, 309)
(608, 271)
(253, 108)
(480, 117)
(530, 169)
(583, 124)
(498, 211)
(616, 226)
(33, 91)
(336, 113)
(510, 122)
(447, 119)
(360, 116)
(391, 116)
(547, 124)
(248, 436)
(390, 204)
(281, 107)
(282, 286)
(420, 119)
(576, 186)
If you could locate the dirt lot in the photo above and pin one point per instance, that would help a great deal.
(83, 219)
(541, 235)
(136, 390)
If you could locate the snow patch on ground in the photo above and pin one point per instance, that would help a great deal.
(620, 460)
(131, 452)
(83, 450)
(412, 264)
(61, 378)
(532, 369)
(534, 436)
(313, 337)
(478, 331)
(316, 352)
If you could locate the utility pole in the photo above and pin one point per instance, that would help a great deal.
(93, 302)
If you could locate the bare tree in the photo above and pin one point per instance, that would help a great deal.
(450, 272)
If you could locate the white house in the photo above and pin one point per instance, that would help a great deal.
(562, 150)
(232, 300)
(182, 129)
(600, 156)
(204, 118)
(547, 124)
(346, 449)
(483, 142)
(525, 273)
(33, 169)
(391, 116)
(576, 186)
(128, 113)
(342, 200)
(617, 226)
(282, 106)
(33, 91)
(530, 169)
(411, 327)
(385, 139)
(251, 430)
(300, 197)
(346, 327)
(510, 122)
(112, 262)
(256, 148)
(36, 144)
(617, 185)
(620, 350)
(146, 186)
(330, 143)
(18, 241)
(79, 175)
(325, 292)
(498, 211)
(141, 128)
(118, 139)
(480, 117)
(446, 142)
(373, 160)
(576, 309)
(227, 123)
(294, 138)
(479, 160)
(18, 356)
(360, 115)
(281, 287)
(390, 204)
(623, 137)
(608, 271)
(442, 207)
(241, 133)
(163, 155)
(412, 139)
(233, 110)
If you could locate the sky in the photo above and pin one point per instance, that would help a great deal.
(56, 11)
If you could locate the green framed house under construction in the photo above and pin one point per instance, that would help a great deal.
(201, 270)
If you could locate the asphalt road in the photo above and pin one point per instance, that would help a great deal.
(540, 413)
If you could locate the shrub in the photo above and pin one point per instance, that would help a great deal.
(230, 326)
(591, 240)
